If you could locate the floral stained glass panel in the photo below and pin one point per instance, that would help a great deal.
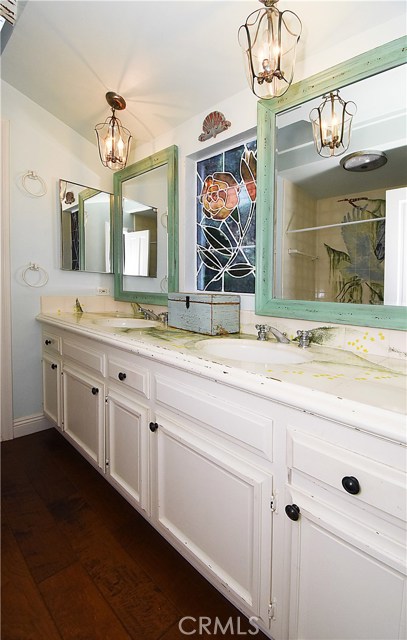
(226, 220)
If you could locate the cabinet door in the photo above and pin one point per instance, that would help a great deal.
(84, 404)
(215, 509)
(51, 379)
(341, 588)
(127, 448)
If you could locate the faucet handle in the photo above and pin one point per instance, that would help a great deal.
(262, 330)
(163, 317)
(304, 338)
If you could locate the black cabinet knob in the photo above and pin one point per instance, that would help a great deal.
(292, 511)
(48, 342)
(54, 366)
(153, 426)
(95, 391)
(351, 484)
(122, 376)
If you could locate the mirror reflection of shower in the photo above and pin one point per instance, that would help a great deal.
(332, 221)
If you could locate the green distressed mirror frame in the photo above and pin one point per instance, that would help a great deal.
(167, 157)
(367, 64)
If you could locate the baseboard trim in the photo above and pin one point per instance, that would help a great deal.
(30, 424)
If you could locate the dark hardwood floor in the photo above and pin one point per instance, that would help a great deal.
(79, 563)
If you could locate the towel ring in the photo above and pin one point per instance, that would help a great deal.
(164, 219)
(164, 284)
(31, 175)
(35, 267)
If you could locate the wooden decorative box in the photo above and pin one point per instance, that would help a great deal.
(213, 314)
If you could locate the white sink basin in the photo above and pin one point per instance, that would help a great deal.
(125, 323)
(253, 351)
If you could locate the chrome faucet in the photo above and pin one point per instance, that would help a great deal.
(264, 329)
(147, 313)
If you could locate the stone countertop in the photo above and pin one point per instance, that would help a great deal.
(336, 384)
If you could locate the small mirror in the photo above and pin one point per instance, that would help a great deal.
(146, 228)
(324, 251)
(86, 223)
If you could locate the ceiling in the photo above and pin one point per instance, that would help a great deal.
(170, 60)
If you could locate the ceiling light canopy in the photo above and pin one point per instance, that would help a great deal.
(331, 124)
(113, 138)
(269, 40)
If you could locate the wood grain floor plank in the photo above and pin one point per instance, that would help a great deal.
(24, 613)
(78, 608)
(44, 548)
(138, 602)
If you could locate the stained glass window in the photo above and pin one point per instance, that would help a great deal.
(226, 220)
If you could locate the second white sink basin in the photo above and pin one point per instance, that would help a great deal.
(253, 351)
(125, 323)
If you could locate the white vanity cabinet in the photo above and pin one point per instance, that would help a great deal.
(299, 519)
(51, 377)
(345, 529)
(106, 394)
(212, 483)
(84, 398)
(127, 418)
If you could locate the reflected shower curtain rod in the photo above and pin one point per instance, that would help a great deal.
(338, 224)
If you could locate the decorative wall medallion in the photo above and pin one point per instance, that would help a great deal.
(226, 220)
(69, 197)
(213, 124)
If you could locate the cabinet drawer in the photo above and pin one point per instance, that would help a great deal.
(131, 377)
(378, 484)
(85, 355)
(237, 422)
(51, 343)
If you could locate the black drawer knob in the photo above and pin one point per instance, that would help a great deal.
(292, 511)
(351, 484)
(153, 426)
(48, 342)
(95, 391)
(122, 376)
(54, 366)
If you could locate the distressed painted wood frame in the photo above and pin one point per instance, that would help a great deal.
(385, 57)
(169, 157)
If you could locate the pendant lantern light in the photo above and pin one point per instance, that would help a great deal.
(269, 40)
(331, 125)
(113, 138)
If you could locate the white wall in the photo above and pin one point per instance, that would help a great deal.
(41, 143)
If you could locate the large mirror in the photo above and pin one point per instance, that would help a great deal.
(146, 228)
(86, 228)
(324, 246)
